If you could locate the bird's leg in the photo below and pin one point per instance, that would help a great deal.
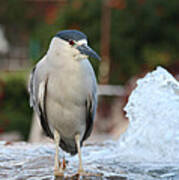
(80, 168)
(81, 171)
(58, 171)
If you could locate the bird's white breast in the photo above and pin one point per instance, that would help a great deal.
(69, 85)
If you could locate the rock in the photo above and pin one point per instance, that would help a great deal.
(25, 161)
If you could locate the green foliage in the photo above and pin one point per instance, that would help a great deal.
(144, 33)
(15, 113)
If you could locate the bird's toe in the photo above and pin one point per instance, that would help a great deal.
(58, 173)
(82, 173)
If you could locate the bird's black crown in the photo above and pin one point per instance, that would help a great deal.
(71, 35)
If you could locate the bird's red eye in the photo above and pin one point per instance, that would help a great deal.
(71, 42)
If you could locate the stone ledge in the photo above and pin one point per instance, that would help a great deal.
(21, 161)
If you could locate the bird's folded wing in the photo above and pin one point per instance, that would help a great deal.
(31, 88)
(91, 104)
(39, 101)
(42, 95)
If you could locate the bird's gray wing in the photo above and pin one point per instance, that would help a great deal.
(38, 100)
(31, 88)
(91, 104)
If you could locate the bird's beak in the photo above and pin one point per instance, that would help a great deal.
(85, 49)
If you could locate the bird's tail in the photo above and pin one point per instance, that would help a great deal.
(69, 146)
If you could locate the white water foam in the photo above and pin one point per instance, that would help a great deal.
(153, 112)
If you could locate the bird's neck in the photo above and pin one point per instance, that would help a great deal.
(60, 59)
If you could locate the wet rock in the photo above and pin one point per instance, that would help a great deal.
(21, 161)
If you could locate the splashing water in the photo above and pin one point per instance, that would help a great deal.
(152, 109)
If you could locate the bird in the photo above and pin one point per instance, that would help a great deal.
(63, 93)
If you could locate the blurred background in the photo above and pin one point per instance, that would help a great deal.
(132, 37)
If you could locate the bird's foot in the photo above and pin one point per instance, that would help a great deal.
(82, 173)
(59, 173)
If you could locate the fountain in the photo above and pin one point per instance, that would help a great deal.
(148, 150)
(153, 113)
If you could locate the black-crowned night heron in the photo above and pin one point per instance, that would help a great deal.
(63, 92)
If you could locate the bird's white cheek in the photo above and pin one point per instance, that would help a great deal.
(79, 56)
